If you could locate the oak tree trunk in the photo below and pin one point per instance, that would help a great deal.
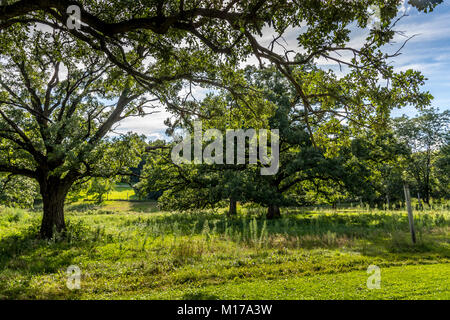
(233, 207)
(273, 212)
(53, 196)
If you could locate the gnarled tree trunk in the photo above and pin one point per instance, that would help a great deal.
(273, 212)
(53, 193)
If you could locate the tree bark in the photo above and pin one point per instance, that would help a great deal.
(273, 212)
(53, 196)
(233, 207)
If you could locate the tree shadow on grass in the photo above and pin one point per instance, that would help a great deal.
(84, 206)
(27, 254)
(144, 206)
(200, 295)
(398, 244)
(25, 259)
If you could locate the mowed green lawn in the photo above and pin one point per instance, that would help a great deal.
(130, 250)
(404, 282)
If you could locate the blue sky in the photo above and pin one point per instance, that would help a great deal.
(428, 52)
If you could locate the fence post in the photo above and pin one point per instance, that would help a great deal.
(419, 201)
(410, 213)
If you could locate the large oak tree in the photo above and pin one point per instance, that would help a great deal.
(341, 160)
(57, 105)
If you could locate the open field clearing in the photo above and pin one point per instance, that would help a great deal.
(130, 250)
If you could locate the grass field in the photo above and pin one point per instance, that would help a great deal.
(130, 250)
(119, 191)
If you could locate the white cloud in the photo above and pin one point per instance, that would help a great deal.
(152, 126)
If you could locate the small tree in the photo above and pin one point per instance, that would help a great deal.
(98, 187)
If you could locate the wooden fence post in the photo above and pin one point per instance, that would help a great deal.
(419, 201)
(410, 213)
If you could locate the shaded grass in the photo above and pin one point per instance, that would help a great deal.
(131, 254)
